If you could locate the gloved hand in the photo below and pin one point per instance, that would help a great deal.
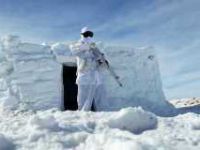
(93, 45)
(100, 61)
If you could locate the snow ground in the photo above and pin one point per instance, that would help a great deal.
(127, 129)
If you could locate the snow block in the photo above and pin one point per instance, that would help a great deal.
(139, 73)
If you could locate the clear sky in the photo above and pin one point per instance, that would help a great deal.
(172, 27)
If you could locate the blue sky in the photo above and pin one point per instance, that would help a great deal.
(171, 26)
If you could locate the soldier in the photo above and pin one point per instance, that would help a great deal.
(91, 88)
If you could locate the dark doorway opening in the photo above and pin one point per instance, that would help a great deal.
(70, 88)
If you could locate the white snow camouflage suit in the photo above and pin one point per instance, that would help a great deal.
(91, 89)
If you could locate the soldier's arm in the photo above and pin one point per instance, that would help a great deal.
(80, 50)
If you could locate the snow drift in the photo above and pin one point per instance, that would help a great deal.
(53, 129)
(77, 130)
(30, 76)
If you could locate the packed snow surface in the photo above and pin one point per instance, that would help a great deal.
(53, 129)
(127, 129)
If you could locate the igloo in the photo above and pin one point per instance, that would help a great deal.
(43, 76)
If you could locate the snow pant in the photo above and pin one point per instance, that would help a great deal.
(89, 95)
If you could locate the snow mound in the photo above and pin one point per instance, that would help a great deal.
(192, 120)
(47, 122)
(132, 119)
(196, 124)
(5, 143)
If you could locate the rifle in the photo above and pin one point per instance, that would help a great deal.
(100, 57)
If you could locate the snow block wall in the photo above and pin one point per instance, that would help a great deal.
(30, 76)
(140, 75)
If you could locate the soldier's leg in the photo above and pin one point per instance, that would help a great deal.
(85, 97)
(100, 98)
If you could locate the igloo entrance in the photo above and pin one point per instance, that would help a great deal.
(70, 88)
